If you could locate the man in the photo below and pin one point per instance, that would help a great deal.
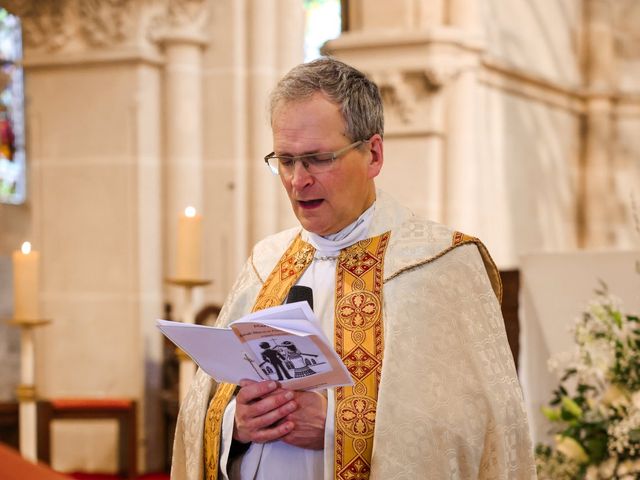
(411, 306)
(275, 358)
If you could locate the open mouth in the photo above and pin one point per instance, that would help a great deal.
(308, 204)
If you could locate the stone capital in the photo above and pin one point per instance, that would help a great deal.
(45, 24)
(404, 92)
(57, 25)
(84, 29)
(181, 21)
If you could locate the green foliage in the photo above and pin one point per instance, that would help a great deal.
(595, 410)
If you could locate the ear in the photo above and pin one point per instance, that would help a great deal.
(377, 156)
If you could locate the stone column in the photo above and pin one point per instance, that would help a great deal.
(182, 39)
(92, 79)
(424, 55)
(462, 161)
(253, 42)
(275, 44)
(263, 46)
(598, 206)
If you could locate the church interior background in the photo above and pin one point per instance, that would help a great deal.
(515, 121)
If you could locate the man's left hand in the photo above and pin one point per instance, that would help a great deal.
(308, 421)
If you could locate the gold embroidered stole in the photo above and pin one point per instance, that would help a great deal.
(360, 343)
(274, 291)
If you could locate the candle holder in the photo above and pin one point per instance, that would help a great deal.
(26, 391)
(187, 367)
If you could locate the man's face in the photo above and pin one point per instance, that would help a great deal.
(325, 203)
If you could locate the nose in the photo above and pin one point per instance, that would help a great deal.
(300, 177)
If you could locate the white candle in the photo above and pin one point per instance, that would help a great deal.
(189, 252)
(26, 278)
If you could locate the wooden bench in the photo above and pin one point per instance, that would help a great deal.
(120, 409)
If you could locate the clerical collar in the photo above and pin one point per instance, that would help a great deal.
(352, 233)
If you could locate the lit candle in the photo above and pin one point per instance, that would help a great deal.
(189, 255)
(25, 283)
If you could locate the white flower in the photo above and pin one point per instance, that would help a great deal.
(624, 468)
(615, 396)
(608, 467)
(592, 473)
(602, 378)
(571, 449)
(600, 354)
(620, 433)
(562, 361)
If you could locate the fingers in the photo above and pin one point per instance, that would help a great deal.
(260, 410)
(309, 421)
(274, 433)
(266, 412)
(251, 391)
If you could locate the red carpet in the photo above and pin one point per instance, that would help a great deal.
(14, 467)
(99, 476)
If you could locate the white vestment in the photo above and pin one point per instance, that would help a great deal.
(449, 402)
(292, 463)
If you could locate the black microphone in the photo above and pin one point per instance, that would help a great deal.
(298, 293)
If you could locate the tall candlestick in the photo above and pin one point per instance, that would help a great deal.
(189, 252)
(26, 277)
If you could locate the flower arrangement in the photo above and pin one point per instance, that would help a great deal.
(595, 411)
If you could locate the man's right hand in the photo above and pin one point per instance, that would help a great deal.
(258, 412)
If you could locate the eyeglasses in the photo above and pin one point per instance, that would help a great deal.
(312, 162)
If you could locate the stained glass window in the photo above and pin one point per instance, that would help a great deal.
(323, 22)
(12, 152)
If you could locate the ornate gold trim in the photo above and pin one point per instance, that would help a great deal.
(359, 340)
(273, 292)
(459, 239)
(212, 428)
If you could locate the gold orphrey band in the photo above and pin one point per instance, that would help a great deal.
(359, 342)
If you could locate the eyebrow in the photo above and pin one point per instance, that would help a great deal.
(308, 152)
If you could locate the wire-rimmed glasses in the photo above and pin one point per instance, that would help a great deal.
(312, 162)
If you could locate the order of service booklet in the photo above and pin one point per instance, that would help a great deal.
(282, 343)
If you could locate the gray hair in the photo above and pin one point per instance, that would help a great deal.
(357, 96)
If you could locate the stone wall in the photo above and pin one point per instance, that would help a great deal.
(516, 116)
(136, 110)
